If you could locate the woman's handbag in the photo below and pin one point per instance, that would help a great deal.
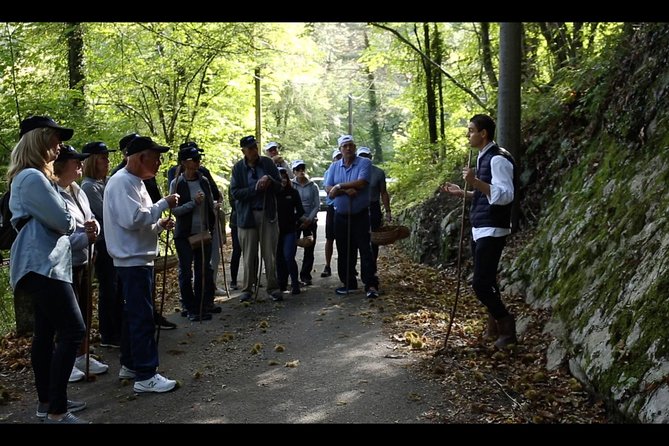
(196, 240)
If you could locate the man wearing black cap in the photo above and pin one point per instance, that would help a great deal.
(254, 184)
(154, 191)
(132, 238)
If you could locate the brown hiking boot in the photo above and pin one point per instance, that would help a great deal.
(491, 332)
(507, 332)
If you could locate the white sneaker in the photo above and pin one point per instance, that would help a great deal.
(126, 373)
(76, 375)
(157, 383)
(94, 366)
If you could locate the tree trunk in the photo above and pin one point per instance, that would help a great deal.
(374, 109)
(75, 62)
(508, 103)
(430, 99)
(440, 88)
(486, 54)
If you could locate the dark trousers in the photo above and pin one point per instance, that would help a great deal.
(110, 298)
(352, 236)
(139, 351)
(191, 288)
(286, 265)
(57, 316)
(486, 252)
(308, 257)
(236, 254)
(375, 220)
(80, 287)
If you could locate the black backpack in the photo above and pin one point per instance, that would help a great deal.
(7, 232)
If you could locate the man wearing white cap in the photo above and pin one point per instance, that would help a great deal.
(272, 150)
(329, 220)
(348, 184)
(308, 191)
(377, 193)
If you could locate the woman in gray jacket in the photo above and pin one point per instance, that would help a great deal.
(40, 265)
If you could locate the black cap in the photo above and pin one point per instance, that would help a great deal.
(190, 153)
(96, 148)
(141, 143)
(248, 141)
(70, 153)
(123, 142)
(190, 144)
(37, 122)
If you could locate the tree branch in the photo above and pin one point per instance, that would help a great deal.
(427, 58)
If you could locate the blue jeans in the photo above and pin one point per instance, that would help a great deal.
(236, 254)
(285, 260)
(352, 236)
(308, 258)
(139, 351)
(191, 290)
(57, 316)
(110, 300)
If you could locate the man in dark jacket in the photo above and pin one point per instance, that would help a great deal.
(492, 192)
(254, 184)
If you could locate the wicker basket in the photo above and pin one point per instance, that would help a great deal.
(387, 235)
(306, 242)
(159, 263)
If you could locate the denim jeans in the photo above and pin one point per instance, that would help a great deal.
(191, 290)
(285, 260)
(236, 254)
(57, 316)
(308, 258)
(139, 351)
(110, 298)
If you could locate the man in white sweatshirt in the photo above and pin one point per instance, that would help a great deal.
(132, 242)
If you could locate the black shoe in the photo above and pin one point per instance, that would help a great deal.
(195, 317)
(110, 344)
(184, 313)
(276, 296)
(295, 290)
(163, 323)
(372, 294)
(233, 285)
(214, 309)
(327, 272)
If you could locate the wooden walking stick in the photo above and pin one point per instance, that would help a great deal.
(202, 265)
(221, 242)
(167, 244)
(459, 267)
(89, 307)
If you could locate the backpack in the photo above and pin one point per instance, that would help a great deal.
(7, 232)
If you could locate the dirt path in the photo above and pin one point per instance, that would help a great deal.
(337, 366)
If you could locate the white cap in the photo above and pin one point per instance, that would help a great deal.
(363, 150)
(297, 163)
(343, 139)
(271, 144)
(335, 153)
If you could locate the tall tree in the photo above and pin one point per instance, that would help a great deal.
(75, 62)
(374, 110)
(508, 102)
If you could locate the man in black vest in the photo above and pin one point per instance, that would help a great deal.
(491, 190)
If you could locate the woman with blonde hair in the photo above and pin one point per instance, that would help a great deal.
(40, 267)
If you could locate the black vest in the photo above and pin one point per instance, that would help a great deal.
(482, 214)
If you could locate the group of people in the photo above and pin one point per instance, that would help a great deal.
(62, 231)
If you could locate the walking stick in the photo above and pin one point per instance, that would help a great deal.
(202, 265)
(221, 242)
(348, 244)
(167, 244)
(458, 270)
(262, 250)
(89, 307)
